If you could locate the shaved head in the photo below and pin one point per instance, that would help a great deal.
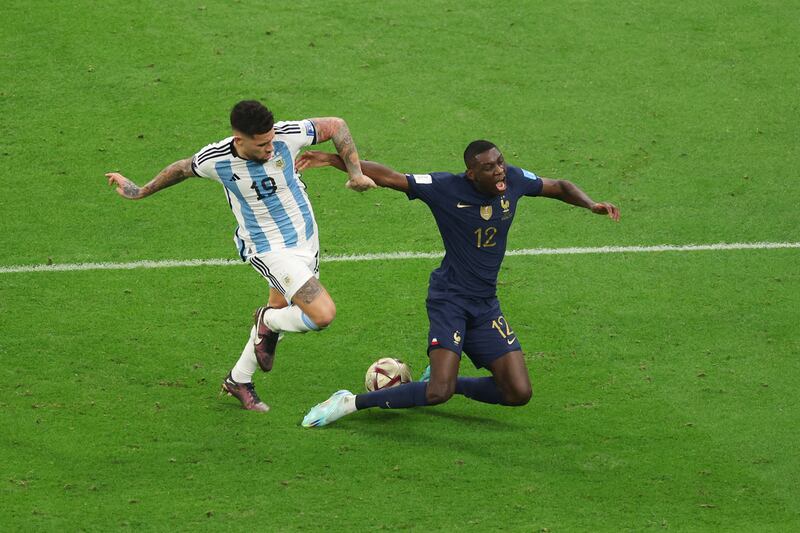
(474, 148)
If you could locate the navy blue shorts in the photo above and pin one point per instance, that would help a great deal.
(475, 326)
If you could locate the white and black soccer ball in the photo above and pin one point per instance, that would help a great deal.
(387, 372)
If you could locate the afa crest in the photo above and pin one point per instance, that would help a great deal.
(279, 163)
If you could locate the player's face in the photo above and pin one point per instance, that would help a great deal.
(256, 147)
(488, 172)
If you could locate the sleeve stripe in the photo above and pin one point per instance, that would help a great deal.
(292, 128)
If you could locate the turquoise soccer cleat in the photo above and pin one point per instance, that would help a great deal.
(330, 410)
(426, 374)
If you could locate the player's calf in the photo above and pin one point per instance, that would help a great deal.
(266, 341)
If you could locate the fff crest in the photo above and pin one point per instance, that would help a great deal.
(506, 205)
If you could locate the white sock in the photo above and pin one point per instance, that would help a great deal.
(290, 318)
(246, 366)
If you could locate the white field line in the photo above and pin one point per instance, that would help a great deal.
(405, 255)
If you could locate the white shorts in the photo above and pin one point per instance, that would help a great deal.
(288, 269)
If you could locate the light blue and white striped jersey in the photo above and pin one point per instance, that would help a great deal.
(267, 198)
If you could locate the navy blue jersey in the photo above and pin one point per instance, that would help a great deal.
(474, 227)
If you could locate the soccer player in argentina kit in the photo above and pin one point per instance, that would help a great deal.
(473, 211)
(276, 230)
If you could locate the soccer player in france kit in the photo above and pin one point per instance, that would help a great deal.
(276, 229)
(473, 211)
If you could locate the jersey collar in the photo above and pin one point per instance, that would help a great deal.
(233, 150)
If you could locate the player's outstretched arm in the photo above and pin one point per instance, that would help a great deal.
(174, 173)
(568, 192)
(335, 129)
(380, 174)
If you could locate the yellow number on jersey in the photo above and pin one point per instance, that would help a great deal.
(485, 237)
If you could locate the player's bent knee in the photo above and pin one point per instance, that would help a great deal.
(518, 396)
(436, 394)
(321, 314)
(325, 318)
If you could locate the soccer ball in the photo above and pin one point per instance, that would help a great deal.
(387, 372)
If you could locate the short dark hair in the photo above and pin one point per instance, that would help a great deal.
(251, 117)
(474, 148)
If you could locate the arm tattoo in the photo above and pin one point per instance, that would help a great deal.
(336, 130)
(131, 190)
(174, 173)
(325, 127)
(308, 292)
(344, 144)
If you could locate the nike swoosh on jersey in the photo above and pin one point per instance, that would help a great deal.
(511, 340)
(462, 205)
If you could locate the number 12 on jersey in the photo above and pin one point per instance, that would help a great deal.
(485, 237)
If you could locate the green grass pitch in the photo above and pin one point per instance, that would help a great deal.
(665, 384)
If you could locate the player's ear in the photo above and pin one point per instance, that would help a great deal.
(470, 174)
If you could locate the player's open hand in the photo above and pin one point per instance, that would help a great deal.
(606, 208)
(314, 159)
(360, 183)
(125, 187)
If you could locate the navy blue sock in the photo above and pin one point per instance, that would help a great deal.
(408, 395)
(479, 389)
